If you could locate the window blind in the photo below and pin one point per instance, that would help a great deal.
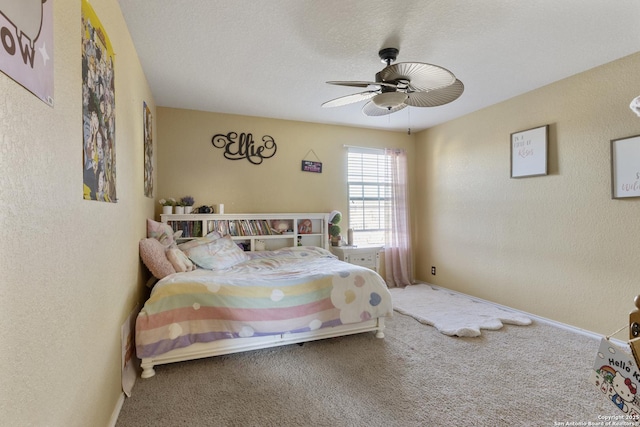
(369, 182)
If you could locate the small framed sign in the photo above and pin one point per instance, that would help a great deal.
(625, 167)
(529, 152)
(311, 166)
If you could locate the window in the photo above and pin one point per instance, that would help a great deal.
(369, 181)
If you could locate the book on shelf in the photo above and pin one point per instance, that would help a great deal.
(240, 227)
(189, 228)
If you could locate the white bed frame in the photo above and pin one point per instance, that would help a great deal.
(237, 345)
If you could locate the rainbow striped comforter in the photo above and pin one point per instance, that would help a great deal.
(286, 291)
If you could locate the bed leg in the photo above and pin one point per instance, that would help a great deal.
(380, 330)
(147, 369)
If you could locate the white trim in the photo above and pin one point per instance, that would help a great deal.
(356, 149)
(116, 411)
(551, 322)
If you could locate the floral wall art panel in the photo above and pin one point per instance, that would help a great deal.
(26, 45)
(98, 110)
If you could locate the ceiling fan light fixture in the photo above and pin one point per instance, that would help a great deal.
(389, 100)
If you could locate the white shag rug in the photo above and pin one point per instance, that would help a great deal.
(452, 313)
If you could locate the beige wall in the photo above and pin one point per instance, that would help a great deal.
(190, 164)
(556, 246)
(70, 268)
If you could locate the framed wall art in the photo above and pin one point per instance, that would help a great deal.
(529, 152)
(625, 167)
(311, 165)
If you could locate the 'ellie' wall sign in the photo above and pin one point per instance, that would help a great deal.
(242, 146)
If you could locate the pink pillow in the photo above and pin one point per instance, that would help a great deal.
(154, 257)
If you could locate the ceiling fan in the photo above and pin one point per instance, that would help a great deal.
(397, 86)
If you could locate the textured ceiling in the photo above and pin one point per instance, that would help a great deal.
(272, 58)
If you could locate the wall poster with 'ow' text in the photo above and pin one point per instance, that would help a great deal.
(26, 45)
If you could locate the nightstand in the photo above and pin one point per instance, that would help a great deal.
(366, 256)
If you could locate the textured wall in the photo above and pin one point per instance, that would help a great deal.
(70, 268)
(189, 163)
(556, 246)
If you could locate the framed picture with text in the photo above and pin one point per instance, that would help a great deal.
(625, 167)
(529, 152)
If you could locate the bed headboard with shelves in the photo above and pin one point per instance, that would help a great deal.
(269, 231)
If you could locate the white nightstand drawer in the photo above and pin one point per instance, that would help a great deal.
(365, 260)
(363, 256)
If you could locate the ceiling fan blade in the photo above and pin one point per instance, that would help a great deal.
(420, 75)
(361, 84)
(371, 109)
(436, 97)
(350, 99)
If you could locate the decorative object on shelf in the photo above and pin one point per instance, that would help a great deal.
(204, 209)
(167, 205)
(529, 152)
(179, 210)
(221, 208)
(334, 229)
(187, 202)
(310, 165)
(260, 245)
(305, 226)
(350, 237)
(281, 226)
(242, 146)
(625, 167)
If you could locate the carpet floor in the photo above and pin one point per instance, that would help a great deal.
(535, 375)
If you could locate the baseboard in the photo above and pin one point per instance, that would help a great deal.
(571, 328)
(116, 411)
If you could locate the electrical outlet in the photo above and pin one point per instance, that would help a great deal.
(433, 271)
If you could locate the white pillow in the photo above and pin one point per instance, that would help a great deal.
(219, 254)
(214, 235)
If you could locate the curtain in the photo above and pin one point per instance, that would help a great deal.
(397, 247)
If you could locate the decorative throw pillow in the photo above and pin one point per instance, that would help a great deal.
(153, 255)
(214, 235)
(179, 260)
(162, 232)
(217, 255)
